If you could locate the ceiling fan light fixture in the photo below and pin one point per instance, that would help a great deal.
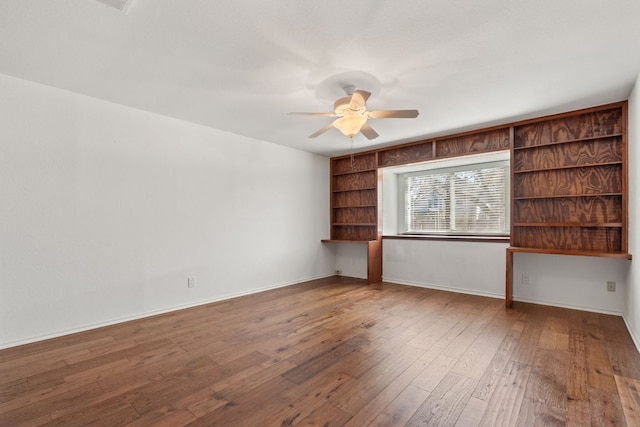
(353, 115)
(349, 125)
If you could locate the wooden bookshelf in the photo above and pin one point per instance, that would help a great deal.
(569, 182)
(569, 185)
(354, 198)
(354, 207)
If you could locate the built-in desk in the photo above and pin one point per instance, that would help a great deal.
(374, 257)
(508, 295)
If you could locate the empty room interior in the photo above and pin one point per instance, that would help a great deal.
(363, 213)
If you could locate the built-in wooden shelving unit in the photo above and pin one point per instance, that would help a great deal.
(569, 181)
(354, 198)
(356, 181)
(354, 207)
(568, 184)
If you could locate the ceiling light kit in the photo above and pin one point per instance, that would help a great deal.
(352, 115)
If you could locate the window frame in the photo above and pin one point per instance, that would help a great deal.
(472, 162)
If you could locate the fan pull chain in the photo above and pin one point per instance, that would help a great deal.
(351, 153)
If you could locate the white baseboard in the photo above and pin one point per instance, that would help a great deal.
(500, 296)
(110, 322)
(635, 339)
(444, 288)
(569, 306)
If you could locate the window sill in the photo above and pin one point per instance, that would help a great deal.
(470, 238)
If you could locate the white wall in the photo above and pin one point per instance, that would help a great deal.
(468, 267)
(106, 210)
(571, 281)
(351, 259)
(479, 268)
(632, 308)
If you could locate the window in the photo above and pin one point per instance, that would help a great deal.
(468, 200)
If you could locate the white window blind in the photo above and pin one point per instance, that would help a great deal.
(472, 199)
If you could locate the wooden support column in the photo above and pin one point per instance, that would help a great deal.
(508, 293)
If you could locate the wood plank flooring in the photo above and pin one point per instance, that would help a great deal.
(333, 352)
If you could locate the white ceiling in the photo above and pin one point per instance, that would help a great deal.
(241, 65)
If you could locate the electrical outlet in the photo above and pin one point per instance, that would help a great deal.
(611, 286)
(338, 272)
(191, 282)
(526, 280)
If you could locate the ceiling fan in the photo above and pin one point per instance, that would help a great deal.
(352, 115)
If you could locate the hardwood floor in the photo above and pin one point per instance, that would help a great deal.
(333, 352)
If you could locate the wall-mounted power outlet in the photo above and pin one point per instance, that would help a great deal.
(526, 279)
(191, 282)
(611, 286)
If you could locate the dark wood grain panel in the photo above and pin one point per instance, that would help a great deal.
(374, 261)
(406, 154)
(480, 142)
(355, 198)
(604, 209)
(589, 239)
(354, 181)
(361, 162)
(569, 128)
(567, 182)
(355, 215)
(588, 152)
(343, 232)
(569, 172)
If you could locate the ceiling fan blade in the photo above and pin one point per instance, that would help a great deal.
(321, 131)
(358, 99)
(315, 114)
(368, 131)
(393, 114)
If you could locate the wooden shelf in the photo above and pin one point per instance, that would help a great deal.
(354, 224)
(622, 255)
(353, 189)
(569, 224)
(570, 141)
(353, 172)
(565, 196)
(567, 167)
(347, 241)
(354, 206)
